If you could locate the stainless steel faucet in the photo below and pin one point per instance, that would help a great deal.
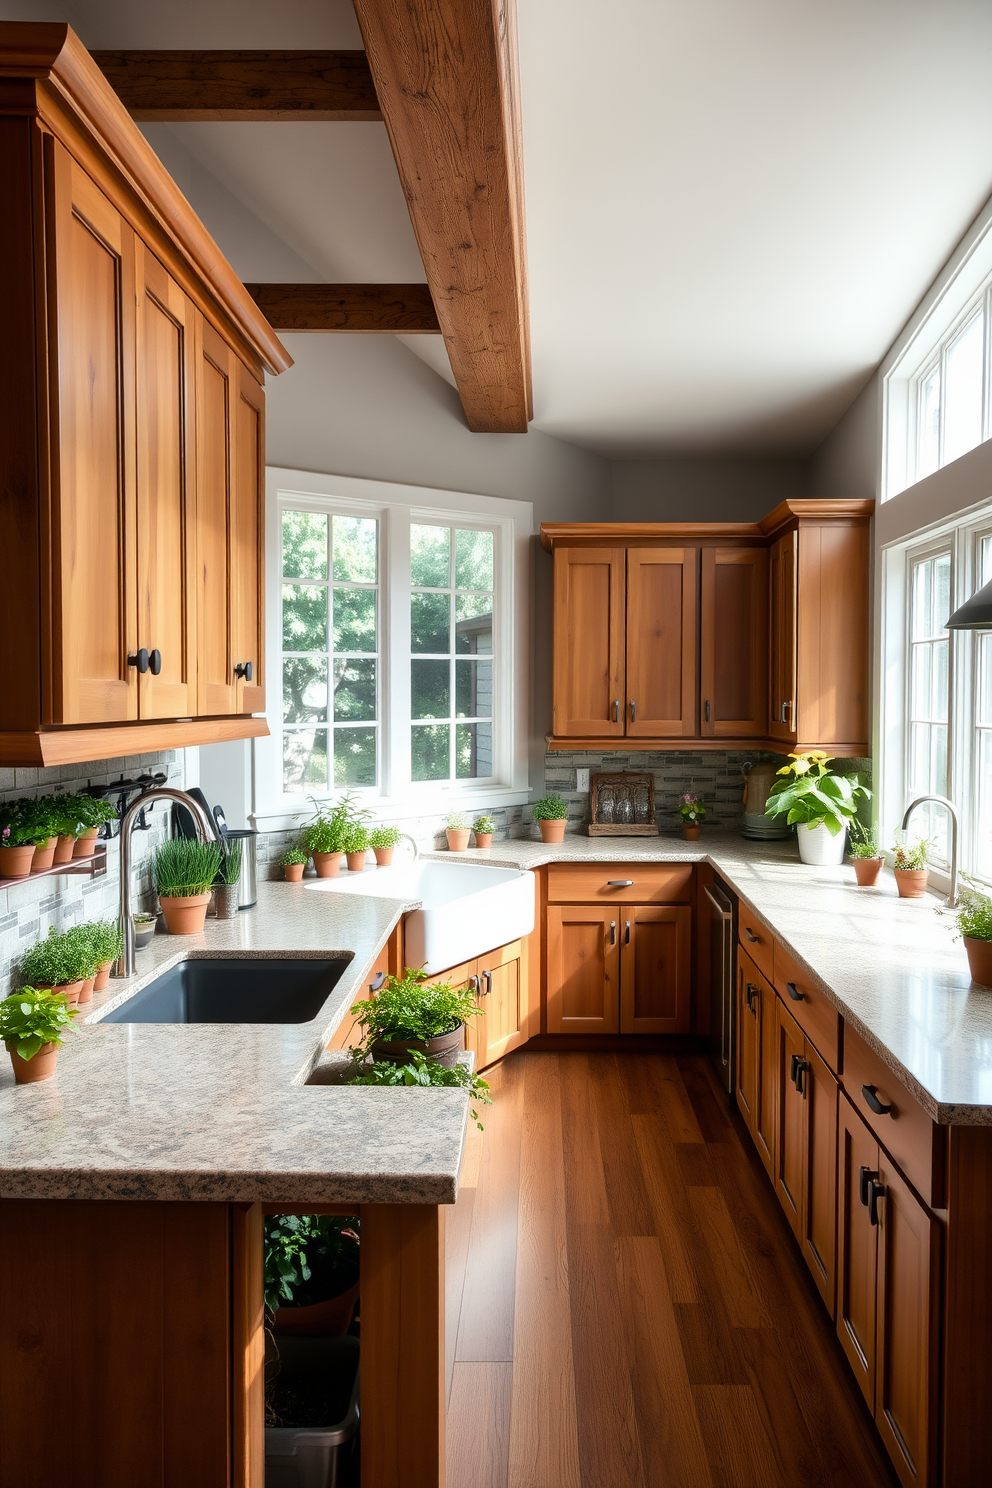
(952, 811)
(206, 831)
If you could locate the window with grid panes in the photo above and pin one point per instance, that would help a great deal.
(982, 852)
(929, 651)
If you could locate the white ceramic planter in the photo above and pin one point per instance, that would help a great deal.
(818, 847)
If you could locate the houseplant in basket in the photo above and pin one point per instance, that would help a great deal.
(457, 831)
(311, 1272)
(294, 860)
(408, 1013)
(32, 1024)
(184, 874)
(863, 851)
(818, 803)
(692, 809)
(551, 814)
(482, 829)
(356, 847)
(93, 813)
(227, 890)
(910, 865)
(59, 963)
(382, 841)
(421, 1071)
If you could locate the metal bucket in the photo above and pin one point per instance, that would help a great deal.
(248, 881)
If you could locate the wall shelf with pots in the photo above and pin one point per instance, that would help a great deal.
(95, 866)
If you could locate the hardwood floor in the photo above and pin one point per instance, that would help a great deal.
(626, 1305)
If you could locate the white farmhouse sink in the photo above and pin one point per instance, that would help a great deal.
(468, 908)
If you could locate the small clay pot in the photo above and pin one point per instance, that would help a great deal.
(63, 849)
(384, 856)
(979, 960)
(15, 862)
(44, 856)
(102, 976)
(327, 865)
(185, 914)
(483, 839)
(911, 882)
(445, 1049)
(691, 831)
(356, 861)
(71, 990)
(552, 831)
(866, 871)
(85, 844)
(333, 1316)
(457, 838)
(40, 1067)
(226, 899)
(86, 990)
(293, 871)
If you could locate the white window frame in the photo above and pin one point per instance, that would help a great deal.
(396, 507)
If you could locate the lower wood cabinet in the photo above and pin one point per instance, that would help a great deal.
(618, 968)
(499, 981)
(756, 1036)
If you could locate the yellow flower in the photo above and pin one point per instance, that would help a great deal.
(801, 767)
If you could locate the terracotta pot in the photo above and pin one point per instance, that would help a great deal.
(356, 861)
(63, 849)
(185, 914)
(85, 844)
(327, 865)
(332, 1316)
(690, 832)
(911, 882)
(445, 1048)
(979, 960)
(71, 990)
(384, 856)
(293, 871)
(483, 839)
(866, 871)
(15, 862)
(44, 856)
(552, 831)
(226, 899)
(102, 976)
(457, 838)
(40, 1067)
(86, 989)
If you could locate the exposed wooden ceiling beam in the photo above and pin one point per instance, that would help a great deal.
(395, 309)
(185, 87)
(445, 74)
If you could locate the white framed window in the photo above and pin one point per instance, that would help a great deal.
(393, 614)
(927, 689)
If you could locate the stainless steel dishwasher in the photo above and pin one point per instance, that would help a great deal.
(722, 903)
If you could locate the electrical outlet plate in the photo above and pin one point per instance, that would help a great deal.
(582, 780)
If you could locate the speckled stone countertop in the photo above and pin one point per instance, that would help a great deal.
(197, 1112)
(892, 966)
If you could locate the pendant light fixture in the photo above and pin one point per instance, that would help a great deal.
(975, 613)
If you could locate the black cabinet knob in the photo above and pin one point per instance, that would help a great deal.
(794, 992)
(139, 659)
(243, 669)
(872, 1101)
(155, 663)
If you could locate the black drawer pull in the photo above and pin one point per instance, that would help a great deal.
(378, 981)
(865, 1176)
(876, 1191)
(750, 936)
(872, 1101)
(794, 992)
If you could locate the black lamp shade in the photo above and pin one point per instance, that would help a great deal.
(975, 613)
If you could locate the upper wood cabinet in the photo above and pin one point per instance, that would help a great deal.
(131, 508)
(590, 587)
(734, 676)
(662, 607)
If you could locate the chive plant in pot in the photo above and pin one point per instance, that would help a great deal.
(818, 803)
(863, 851)
(382, 841)
(311, 1272)
(482, 829)
(910, 865)
(692, 809)
(407, 1014)
(294, 860)
(227, 890)
(59, 963)
(32, 1024)
(457, 831)
(421, 1071)
(94, 812)
(551, 814)
(184, 874)
(356, 848)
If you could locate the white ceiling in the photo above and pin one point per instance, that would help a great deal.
(733, 205)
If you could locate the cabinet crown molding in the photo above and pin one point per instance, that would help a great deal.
(568, 534)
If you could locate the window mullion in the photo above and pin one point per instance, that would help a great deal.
(397, 703)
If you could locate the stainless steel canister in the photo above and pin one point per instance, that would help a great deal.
(248, 881)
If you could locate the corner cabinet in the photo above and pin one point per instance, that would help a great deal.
(130, 515)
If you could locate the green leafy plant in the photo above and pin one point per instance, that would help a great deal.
(691, 807)
(421, 1071)
(457, 821)
(320, 1249)
(230, 860)
(93, 811)
(810, 794)
(358, 839)
(184, 867)
(384, 837)
(144, 919)
(550, 808)
(21, 824)
(106, 940)
(974, 912)
(405, 1008)
(910, 853)
(332, 826)
(30, 1019)
(863, 841)
(294, 855)
(483, 825)
(58, 959)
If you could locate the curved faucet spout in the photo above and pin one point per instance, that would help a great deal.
(952, 812)
(206, 831)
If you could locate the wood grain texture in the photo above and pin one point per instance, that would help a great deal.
(583, 987)
(906, 1131)
(588, 667)
(73, 746)
(655, 968)
(620, 883)
(782, 619)
(185, 87)
(662, 645)
(364, 309)
(833, 636)
(247, 1347)
(446, 80)
(733, 680)
(817, 1017)
(967, 1305)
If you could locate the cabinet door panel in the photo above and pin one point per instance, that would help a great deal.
(790, 1124)
(906, 1329)
(782, 592)
(662, 599)
(655, 969)
(92, 548)
(247, 528)
(501, 993)
(748, 1005)
(819, 1216)
(856, 1249)
(734, 642)
(766, 1108)
(583, 969)
(588, 642)
(216, 392)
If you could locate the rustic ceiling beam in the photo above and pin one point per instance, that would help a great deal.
(446, 77)
(192, 87)
(394, 309)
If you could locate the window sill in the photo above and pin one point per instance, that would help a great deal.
(399, 809)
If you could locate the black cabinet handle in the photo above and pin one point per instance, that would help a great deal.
(139, 659)
(750, 936)
(865, 1175)
(613, 932)
(707, 707)
(872, 1101)
(633, 711)
(616, 710)
(619, 883)
(155, 663)
(750, 996)
(378, 981)
(784, 717)
(243, 669)
(876, 1191)
(798, 1069)
(794, 992)
(487, 977)
(626, 932)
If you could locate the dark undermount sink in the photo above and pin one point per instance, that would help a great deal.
(240, 990)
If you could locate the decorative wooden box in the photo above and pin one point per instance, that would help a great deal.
(623, 806)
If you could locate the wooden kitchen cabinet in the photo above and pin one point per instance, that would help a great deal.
(655, 979)
(503, 1023)
(733, 691)
(583, 950)
(661, 648)
(757, 1085)
(589, 608)
(782, 618)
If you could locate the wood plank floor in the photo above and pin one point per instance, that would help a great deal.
(626, 1305)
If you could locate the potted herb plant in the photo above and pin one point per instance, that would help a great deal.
(551, 814)
(382, 841)
(311, 1272)
(294, 860)
(32, 1023)
(692, 809)
(94, 812)
(327, 836)
(80, 939)
(144, 929)
(421, 1071)
(356, 848)
(818, 803)
(59, 963)
(184, 874)
(40, 814)
(226, 892)
(974, 923)
(457, 831)
(67, 823)
(107, 941)
(18, 835)
(483, 828)
(408, 1013)
(910, 866)
(863, 851)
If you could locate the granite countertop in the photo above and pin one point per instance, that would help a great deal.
(891, 966)
(190, 1112)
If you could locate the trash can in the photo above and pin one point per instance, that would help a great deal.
(314, 1456)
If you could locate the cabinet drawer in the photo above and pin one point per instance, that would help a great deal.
(906, 1132)
(817, 1017)
(608, 883)
(756, 940)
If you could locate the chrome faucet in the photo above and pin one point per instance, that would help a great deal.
(206, 831)
(405, 836)
(952, 811)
